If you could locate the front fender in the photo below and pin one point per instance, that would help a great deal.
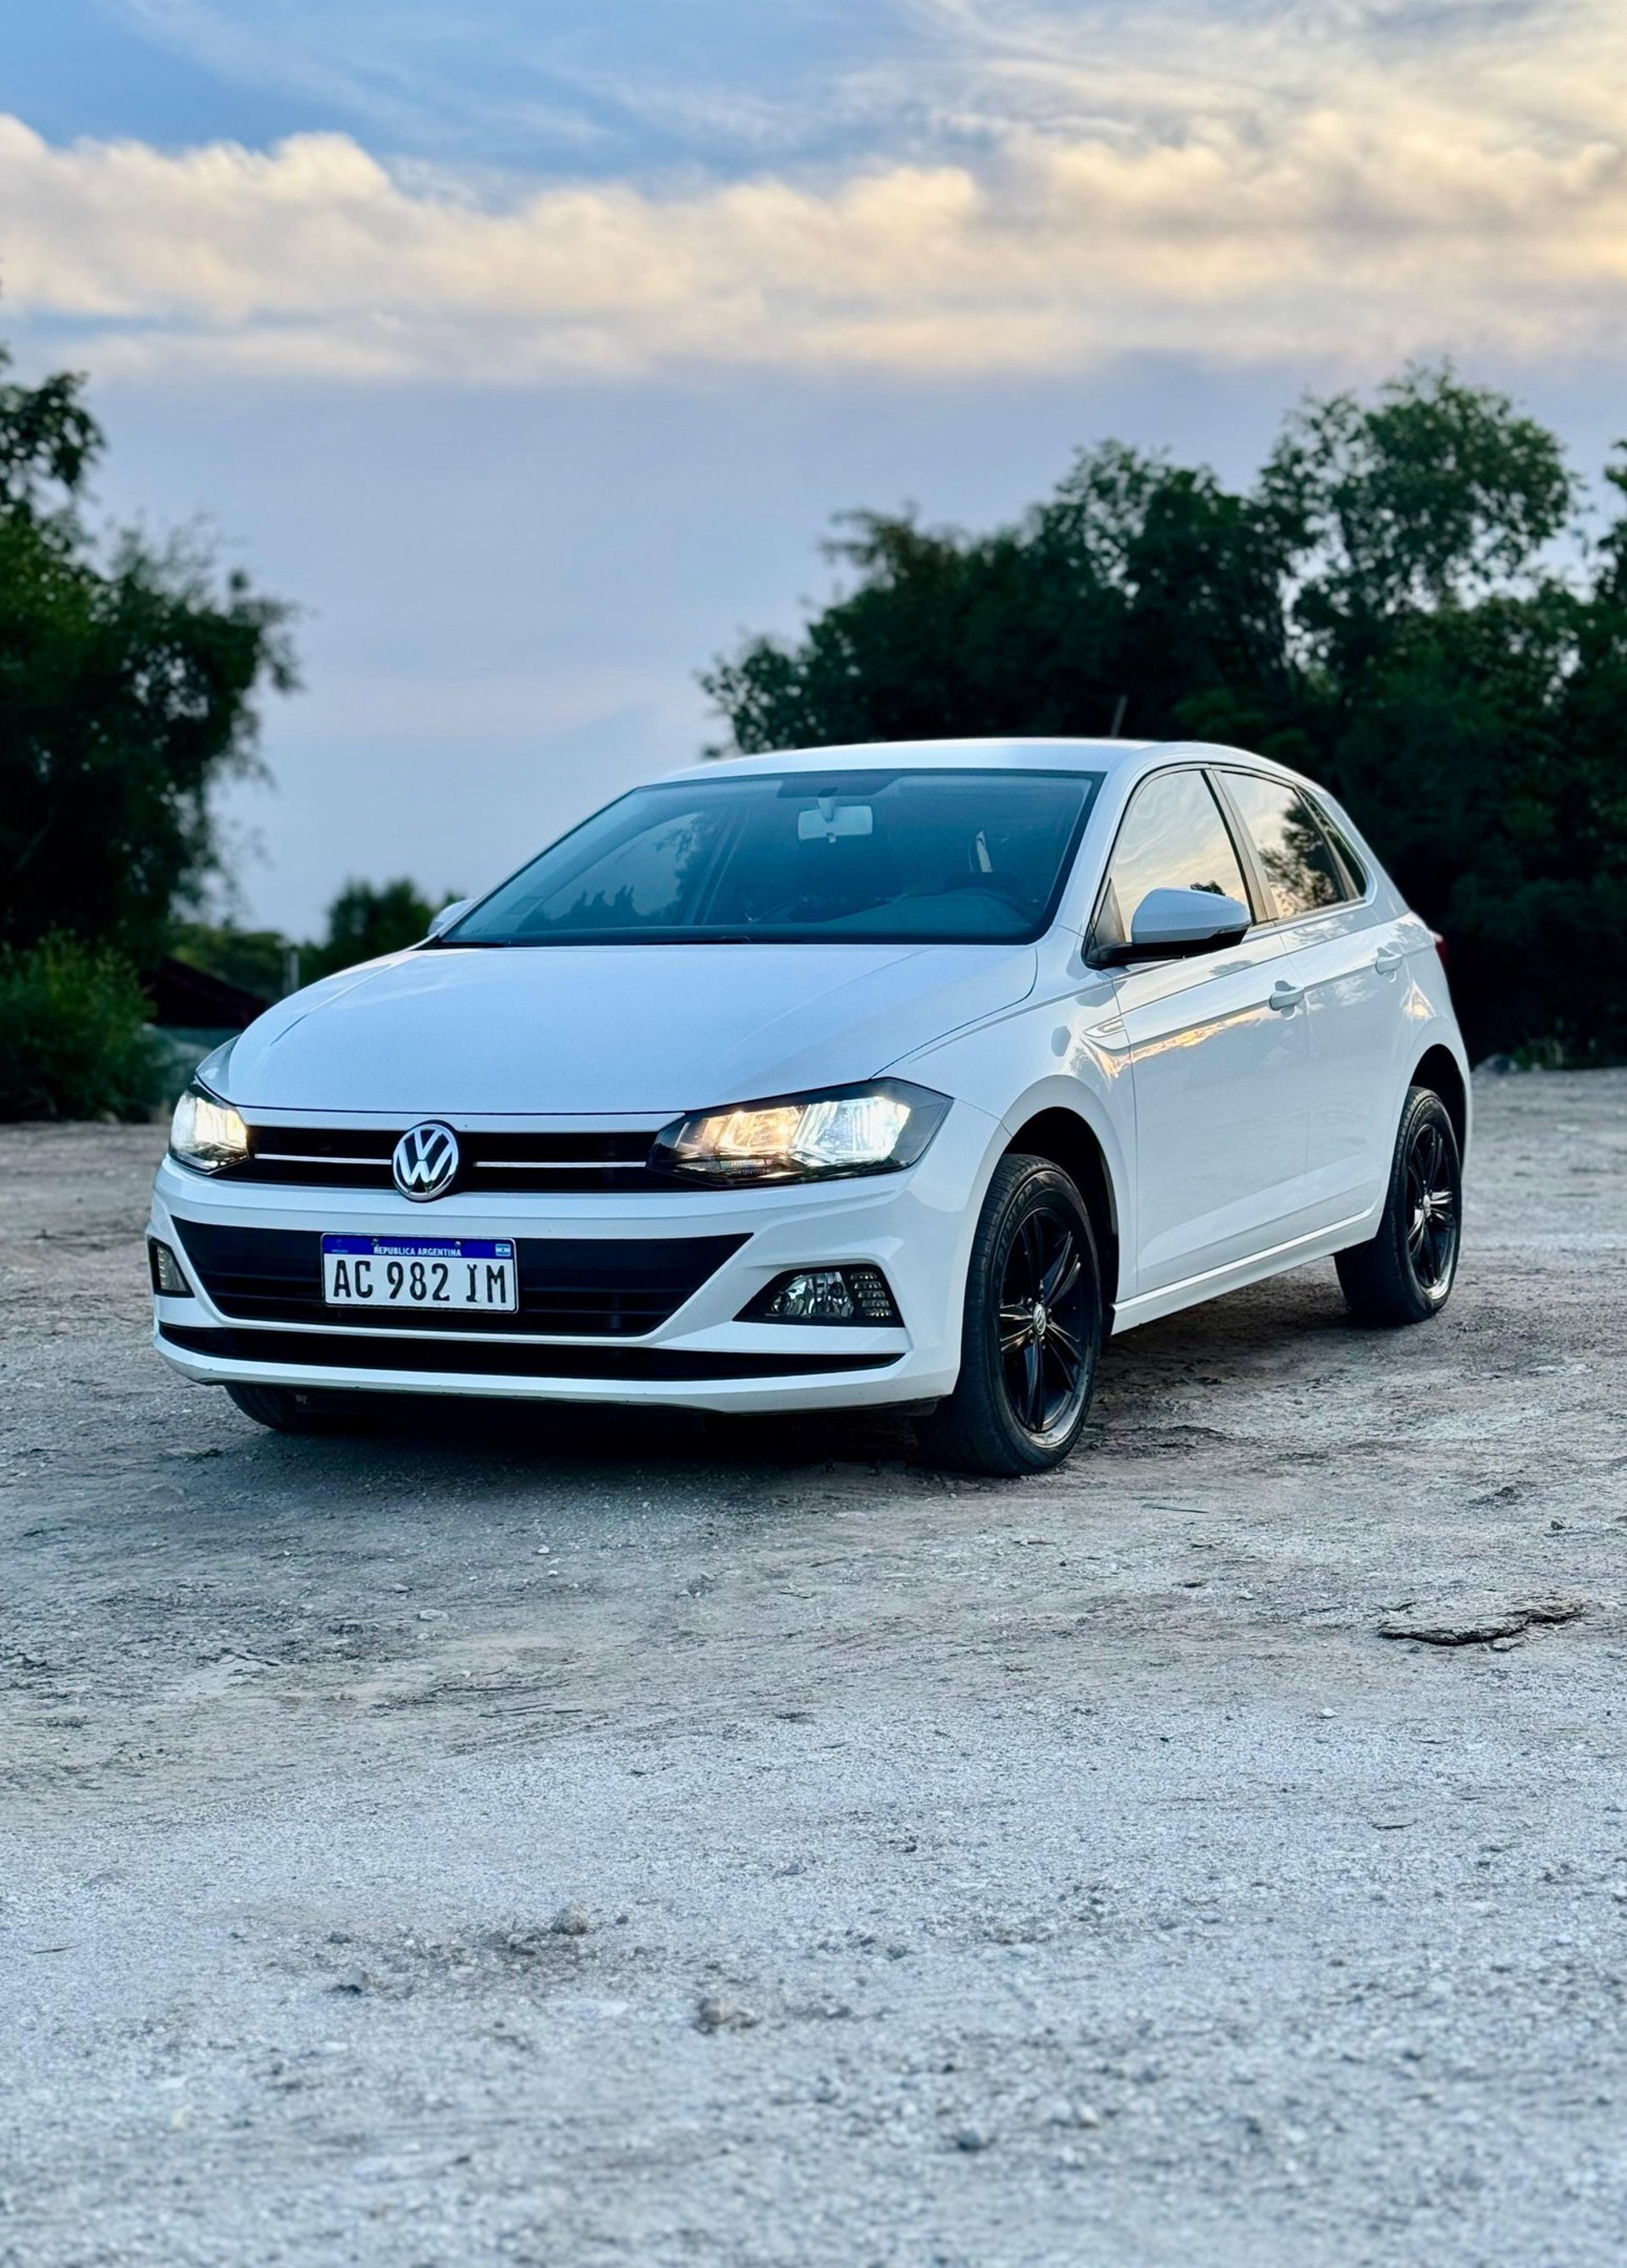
(1068, 1053)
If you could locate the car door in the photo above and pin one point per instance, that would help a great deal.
(1218, 1054)
(1350, 959)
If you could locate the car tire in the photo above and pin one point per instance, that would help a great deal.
(289, 1409)
(1032, 1330)
(1405, 1273)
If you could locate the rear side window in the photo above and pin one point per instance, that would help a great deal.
(1340, 839)
(1299, 860)
(1174, 838)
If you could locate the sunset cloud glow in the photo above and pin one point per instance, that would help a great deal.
(1347, 203)
(530, 347)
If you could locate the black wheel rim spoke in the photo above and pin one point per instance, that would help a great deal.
(1035, 1239)
(1432, 1202)
(1065, 1360)
(1062, 1275)
(1042, 1323)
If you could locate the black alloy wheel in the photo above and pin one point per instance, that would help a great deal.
(1031, 1331)
(1044, 1322)
(1405, 1273)
(1432, 1205)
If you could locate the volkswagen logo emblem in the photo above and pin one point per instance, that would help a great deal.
(426, 1163)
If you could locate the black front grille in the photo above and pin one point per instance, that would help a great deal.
(609, 1287)
(504, 1164)
(332, 1350)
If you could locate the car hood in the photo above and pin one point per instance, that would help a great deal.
(636, 1031)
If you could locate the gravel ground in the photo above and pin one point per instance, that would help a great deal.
(526, 1840)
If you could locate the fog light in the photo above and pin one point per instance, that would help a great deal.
(858, 1294)
(166, 1270)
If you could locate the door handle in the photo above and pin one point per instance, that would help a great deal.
(1388, 959)
(1285, 997)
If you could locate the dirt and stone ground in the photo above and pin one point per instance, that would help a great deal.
(521, 1839)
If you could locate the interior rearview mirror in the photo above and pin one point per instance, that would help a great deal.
(1169, 923)
(830, 820)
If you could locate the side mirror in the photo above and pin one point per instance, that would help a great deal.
(1170, 923)
(448, 914)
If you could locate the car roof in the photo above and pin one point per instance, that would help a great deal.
(1010, 753)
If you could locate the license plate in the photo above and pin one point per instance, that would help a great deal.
(419, 1272)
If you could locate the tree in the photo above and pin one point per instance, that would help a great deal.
(256, 960)
(129, 681)
(1382, 609)
(1136, 588)
(1439, 645)
(367, 919)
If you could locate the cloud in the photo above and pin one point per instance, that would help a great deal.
(501, 82)
(1458, 182)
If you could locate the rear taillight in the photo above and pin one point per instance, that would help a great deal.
(1439, 944)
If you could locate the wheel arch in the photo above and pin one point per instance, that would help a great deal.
(1070, 1142)
(1440, 1069)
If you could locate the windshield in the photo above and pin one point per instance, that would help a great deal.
(922, 856)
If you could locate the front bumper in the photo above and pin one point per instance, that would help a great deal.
(916, 1226)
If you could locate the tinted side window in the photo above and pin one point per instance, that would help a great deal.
(1172, 838)
(1297, 857)
(1353, 865)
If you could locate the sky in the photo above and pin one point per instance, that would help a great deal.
(529, 345)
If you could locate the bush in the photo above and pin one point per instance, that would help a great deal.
(74, 1037)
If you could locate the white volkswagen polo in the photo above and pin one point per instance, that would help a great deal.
(896, 1075)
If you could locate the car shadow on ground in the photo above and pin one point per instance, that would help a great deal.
(1222, 1349)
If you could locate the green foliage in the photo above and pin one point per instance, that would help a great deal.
(74, 1038)
(365, 920)
(254, 958)
(1136, 583)
(1381, 610)
(47, 439)
(128, 684)
(1434, 494)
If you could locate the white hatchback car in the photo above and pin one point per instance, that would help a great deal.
(895, 1075)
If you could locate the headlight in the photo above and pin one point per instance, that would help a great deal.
(207, 1133)
(877, 1129)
